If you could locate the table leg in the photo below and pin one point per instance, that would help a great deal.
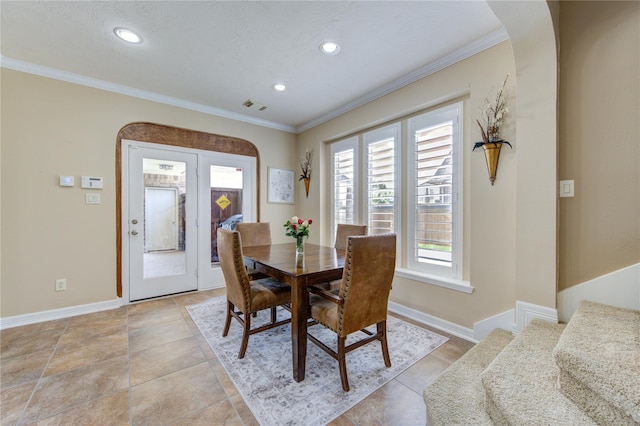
(299, 309)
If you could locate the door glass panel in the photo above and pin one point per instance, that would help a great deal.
(226, 202)
(164, 217)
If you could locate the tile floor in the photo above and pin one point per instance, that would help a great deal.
(148, 364)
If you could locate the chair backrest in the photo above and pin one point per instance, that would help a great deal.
(254, 234)
(344, 231)
(369, 267)
(233, 270)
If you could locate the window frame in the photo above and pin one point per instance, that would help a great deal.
(452, 112)
(451, 278)
(341, 146)
(372, 137)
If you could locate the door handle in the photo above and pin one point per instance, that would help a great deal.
(134, 232)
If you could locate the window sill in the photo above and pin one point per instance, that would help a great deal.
(450, 283)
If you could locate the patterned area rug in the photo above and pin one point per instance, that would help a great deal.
(264, 376)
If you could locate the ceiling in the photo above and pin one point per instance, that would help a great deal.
(212, 56)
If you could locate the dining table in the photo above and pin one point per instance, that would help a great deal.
(318, 264)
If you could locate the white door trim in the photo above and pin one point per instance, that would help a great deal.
(208, 277)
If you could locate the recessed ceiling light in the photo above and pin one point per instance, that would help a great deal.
(279, 87)
(127, 35)
(330, 48)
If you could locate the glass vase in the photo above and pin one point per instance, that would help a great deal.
(299, 245)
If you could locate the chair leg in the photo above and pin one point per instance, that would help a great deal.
(382, 330)
(273, 315)
(342, 363)
(245, 335)
(227, 322)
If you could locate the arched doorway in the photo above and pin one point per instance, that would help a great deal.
(176, 138)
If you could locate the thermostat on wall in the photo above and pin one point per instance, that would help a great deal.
(66, 181)
(91, 182)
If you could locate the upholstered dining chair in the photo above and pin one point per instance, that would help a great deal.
(254, 234)
(344, 231)
(246, 295)
(362, 299)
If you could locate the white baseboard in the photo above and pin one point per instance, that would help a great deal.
(620, 288)
(525, 312)
(54, 314)
(504, 320)
(435, 322)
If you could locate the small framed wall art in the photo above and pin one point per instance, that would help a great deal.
(280, 186)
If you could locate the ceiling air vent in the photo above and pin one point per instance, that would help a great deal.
(254, 105)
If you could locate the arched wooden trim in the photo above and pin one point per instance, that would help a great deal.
(174, 136)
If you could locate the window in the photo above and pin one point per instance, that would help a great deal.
(381, 179)
(433, 228)
(432, 172)
(344, 174)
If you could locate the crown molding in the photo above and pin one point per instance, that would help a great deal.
(471, 49)
(17, 65)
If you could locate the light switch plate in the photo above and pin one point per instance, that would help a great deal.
(566, 188)
(92, 198)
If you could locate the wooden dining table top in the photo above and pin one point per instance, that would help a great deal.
(318, 264)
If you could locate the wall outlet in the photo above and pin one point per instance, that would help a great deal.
(61, 284)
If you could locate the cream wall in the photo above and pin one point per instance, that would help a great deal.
(589, 131)
(52, 128)
(599, 144)
(490, 217)
(530, 26)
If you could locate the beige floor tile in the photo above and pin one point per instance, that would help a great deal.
(453, 350)
(341, 421)
(392, 404)
(153, 313)
(22, 369)
(149, 306)
(192, 325)
(205, 347)
(175, 396)
(80, 333)
(112, 410)
(92, 351)
(223, 377)
(98, 318)
(163, 315)
(198, 297)
(157, 368)
(55, 394)
(164, 359)
(243, 411)
(13, 401)
(221, 413)
(18, 345)
(422, 373)
(31, 329)
(148, 337)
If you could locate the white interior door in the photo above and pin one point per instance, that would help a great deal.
(162, 222)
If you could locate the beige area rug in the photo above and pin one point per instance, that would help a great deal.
(264, 376)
